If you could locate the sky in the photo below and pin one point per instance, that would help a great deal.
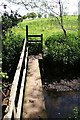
(72, 6)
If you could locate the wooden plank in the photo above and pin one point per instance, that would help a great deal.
(14, 85)
(34, 35)
(18, 114)
(34, 104)
(31, 41)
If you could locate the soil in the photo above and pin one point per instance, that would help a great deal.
(63, 85)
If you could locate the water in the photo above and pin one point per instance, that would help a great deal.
(0, 105)
(60, 104)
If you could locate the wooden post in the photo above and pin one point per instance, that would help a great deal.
(27, 33)
(42, 43)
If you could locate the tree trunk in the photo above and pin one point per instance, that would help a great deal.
(61, 17)
(64, 31)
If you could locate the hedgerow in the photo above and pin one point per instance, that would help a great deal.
(63, 49)
(12, 46)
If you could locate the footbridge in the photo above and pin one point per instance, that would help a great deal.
(26, 96)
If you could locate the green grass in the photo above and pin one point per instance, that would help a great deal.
(47, 26)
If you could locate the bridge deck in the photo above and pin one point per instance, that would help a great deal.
(33, 105)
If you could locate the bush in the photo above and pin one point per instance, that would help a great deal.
(75, 114)
(9, 20)
(12, 46)
(61, 49)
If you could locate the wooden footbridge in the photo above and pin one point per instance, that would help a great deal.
(26, 96)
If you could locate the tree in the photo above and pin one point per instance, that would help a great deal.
(9, 20)
(25, 16)
(39, 15)
(31, 15)
(61, 22)
(49, 8)
(11, 42)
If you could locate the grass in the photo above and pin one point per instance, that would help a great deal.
(47, 26)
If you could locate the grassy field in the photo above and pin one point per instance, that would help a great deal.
(47, 26)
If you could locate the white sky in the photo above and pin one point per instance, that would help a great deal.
(72, 6)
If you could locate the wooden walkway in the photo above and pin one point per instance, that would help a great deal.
(33, 105)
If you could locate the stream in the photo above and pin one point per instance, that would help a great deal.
(0, 105)
(60, 104)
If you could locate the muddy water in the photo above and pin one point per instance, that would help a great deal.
(60, 104)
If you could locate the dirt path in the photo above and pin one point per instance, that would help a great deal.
(34, 105)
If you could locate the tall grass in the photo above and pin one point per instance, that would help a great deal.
(47, 26)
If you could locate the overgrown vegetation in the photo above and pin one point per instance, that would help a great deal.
(9, 20)
(63, 49)
(75, 114)
(61, 53)
(12, 46)
(62, 57)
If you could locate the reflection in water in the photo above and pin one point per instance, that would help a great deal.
(60, 104)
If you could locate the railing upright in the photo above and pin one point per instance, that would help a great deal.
(27, 33)
(42, 43)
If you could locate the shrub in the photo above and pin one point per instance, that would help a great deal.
(12, 46)
(75, 114)
(61, 49)
(9, 20)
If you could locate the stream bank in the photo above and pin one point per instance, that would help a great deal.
(63, 85)
(61, 88)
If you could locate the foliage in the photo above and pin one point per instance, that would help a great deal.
(12, 46)
(75, 114)
(61, 49)
(12, 43)
(2, 74)
(39, 15)
(25, 16)
(9, 20)
(32, 15)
